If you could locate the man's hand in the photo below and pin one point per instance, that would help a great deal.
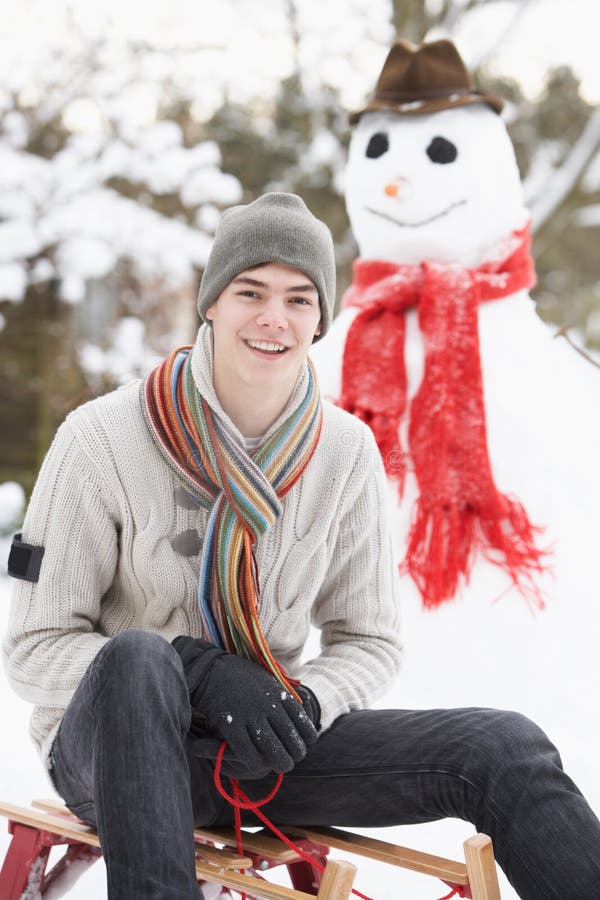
(265, 727)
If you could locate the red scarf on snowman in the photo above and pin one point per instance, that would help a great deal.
(459, 510)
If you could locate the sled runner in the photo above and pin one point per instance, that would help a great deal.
(48, 823)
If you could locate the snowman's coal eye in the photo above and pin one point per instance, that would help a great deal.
(442, 151)
(378, 145)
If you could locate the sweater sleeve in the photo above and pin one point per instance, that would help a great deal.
(51, 636)
(357, 610)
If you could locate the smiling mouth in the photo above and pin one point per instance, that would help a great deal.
(268, 347)
(427, 221)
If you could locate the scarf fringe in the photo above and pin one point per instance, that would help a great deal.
(443, 543)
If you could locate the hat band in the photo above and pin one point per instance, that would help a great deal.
(402, 96)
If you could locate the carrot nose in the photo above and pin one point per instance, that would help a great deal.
(391, 189)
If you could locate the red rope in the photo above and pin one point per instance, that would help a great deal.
(240, 801)
(456, 891)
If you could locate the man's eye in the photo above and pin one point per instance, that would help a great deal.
(300, 300)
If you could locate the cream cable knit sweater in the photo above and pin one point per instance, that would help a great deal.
(122, 541)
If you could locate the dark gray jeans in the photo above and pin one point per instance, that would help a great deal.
(122, 761)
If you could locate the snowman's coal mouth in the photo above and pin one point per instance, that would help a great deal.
(439, 215)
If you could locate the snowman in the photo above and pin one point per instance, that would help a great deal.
(484, 421)
(488, 425)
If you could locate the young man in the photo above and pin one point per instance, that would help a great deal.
(183, 534)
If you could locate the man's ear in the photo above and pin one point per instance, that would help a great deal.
(210, 313)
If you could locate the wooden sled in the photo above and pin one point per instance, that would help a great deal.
(49, 823)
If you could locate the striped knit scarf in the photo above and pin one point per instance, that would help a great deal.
(242, 491)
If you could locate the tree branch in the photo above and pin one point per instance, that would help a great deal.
(566, 176)
(564, 333)
(486, 52)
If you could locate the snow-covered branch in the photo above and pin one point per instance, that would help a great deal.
(500, 38)
(564, 178)
(63, 210)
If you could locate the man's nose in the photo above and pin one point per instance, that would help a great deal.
(273, 313)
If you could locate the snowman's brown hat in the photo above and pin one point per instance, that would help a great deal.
(424, 79)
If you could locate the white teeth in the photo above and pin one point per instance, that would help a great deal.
(266, 345)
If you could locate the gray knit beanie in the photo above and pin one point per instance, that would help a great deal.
(275, 228)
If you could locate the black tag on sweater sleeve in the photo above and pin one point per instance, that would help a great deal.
(24, 560)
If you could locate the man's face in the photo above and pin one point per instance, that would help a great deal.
(263, 325)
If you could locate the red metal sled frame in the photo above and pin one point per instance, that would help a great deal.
(27, 857)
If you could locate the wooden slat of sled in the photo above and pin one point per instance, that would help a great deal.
(221, 857)
(477, 874)
(260, 843)
(336, 885)
(395, 855)
(55, 823)
(219, 865)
